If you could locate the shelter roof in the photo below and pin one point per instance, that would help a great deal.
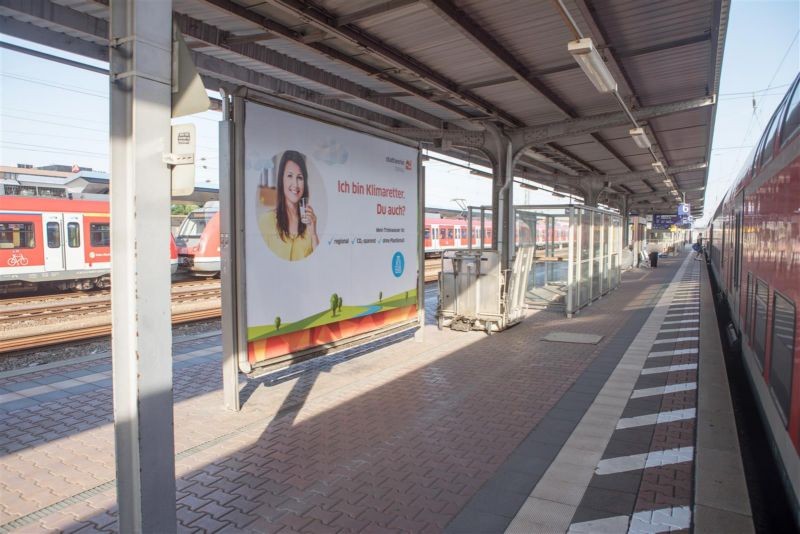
(453, 66)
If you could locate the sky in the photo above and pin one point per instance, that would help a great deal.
(36, 127)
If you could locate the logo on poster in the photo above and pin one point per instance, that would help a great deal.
(398, 264)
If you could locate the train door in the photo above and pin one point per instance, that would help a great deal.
(435, 237)
(73, 245)
(53, 250)
(737, 250)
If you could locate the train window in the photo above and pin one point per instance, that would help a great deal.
(73, 235)
(17, 235)
(769, 144)
(791, 123)
(760, 320)
(450, 233)
(195, 223)
(100, 234)
(780, 367)
(53, 235)
(427, 233)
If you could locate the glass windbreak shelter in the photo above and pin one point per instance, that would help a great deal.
(577, 254)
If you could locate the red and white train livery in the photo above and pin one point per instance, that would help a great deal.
(57, 242)
(755, 256)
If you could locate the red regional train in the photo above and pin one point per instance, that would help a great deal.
(755, 257)
(199, 250)
(56, 242)
(443, 234)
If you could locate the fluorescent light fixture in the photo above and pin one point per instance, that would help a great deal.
(528, 186)
(659, 167)
(589, 60)
(559, 195)
(481, 173)
(639, 137)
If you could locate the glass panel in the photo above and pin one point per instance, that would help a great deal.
(100, 235)
(73, 235)
(53, 235)
(585, 278)
(780, 373)
(17, 235)
(597, 253)
(760, 322)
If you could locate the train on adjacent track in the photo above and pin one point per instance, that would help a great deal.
(199, 250)
(754, 252)
(56, 242)
(65, 243)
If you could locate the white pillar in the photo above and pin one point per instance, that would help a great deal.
(140, 71)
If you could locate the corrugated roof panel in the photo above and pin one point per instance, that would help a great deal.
(40, 23)
(578, 92)
(212, 15)
(670, 75)
(430, 107)
(90, 7)
(526, 105)
(635, 24)
(436, 44)
(348, 7)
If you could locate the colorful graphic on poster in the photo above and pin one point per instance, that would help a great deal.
(330, 232)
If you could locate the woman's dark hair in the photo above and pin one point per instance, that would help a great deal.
(280, 209)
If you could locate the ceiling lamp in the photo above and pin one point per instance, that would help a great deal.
(639, 137)
(589, 60)
(659, 167)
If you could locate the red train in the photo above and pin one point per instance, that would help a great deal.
(755, 257)
(199, 250)
(57, 242)
(442, 234)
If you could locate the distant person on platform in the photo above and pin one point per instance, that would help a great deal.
(652, 251)
(698, 250)
(290, 230)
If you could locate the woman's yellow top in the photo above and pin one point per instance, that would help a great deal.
(293, 248)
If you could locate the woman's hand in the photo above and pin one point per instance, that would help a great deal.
(311, 226)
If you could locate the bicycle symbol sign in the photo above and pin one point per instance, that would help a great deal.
(17, 260)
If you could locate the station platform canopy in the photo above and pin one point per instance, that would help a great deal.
(448, 73)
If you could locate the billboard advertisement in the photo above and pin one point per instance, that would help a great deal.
(331, 233)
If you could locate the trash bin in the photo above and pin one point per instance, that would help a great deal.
(654, 259)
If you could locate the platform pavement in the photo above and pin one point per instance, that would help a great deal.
(406, 438)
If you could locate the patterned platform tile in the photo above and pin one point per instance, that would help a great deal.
(643, 482)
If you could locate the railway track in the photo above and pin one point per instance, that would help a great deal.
(28, 322)
(31, 322)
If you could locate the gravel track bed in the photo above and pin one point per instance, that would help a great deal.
(33, 358)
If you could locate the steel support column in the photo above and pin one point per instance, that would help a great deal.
(140, 79)
(231, 352)
(592, 188)
(501, 152)
(623, 210)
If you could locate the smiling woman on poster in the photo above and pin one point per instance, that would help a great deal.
(290, 230)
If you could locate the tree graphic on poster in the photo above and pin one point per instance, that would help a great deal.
(334, 304)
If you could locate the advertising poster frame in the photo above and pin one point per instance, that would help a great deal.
(237, 254)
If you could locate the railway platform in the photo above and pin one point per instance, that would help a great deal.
(629, 431)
